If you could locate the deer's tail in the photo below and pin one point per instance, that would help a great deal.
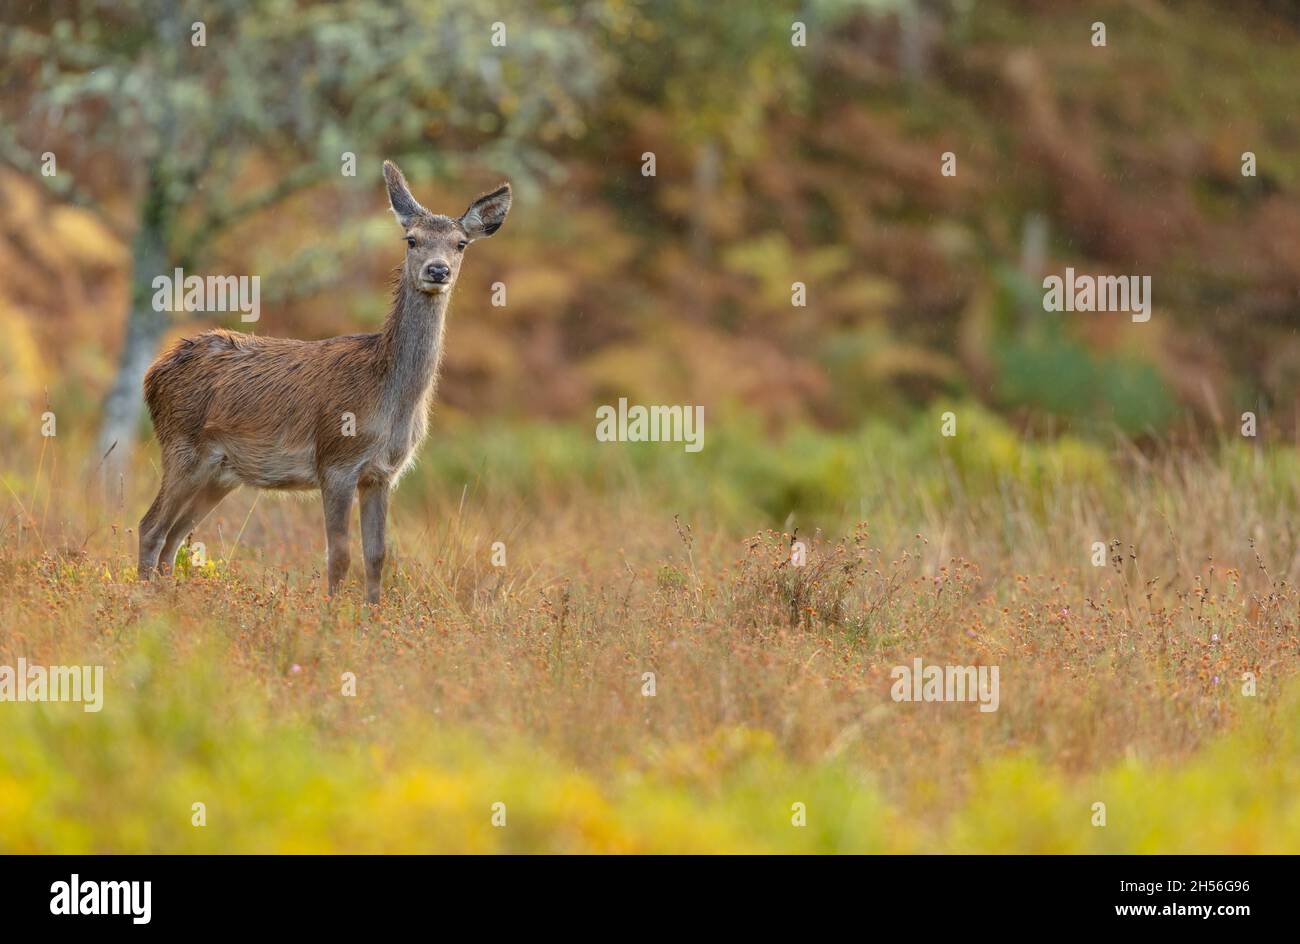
(165, 379)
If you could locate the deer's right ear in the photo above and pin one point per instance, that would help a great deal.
(486, 214)
(405, 207)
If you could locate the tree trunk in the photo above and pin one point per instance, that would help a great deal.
(914, 41)
(144, 331)
(707, 172)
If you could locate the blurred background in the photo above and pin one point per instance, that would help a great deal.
(214, 137)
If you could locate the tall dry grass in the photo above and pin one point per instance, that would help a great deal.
(541, 665)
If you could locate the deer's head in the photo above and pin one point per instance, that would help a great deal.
(435, 244)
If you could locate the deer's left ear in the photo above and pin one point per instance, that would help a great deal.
(405, 207)
(486, 214)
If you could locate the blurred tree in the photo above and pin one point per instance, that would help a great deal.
(715, 69)
(718, 72)
(183, 97)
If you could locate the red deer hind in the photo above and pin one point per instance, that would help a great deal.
(344, 415)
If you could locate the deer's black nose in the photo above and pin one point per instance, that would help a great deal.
(437, 271)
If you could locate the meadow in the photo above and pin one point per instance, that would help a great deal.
(611, 640)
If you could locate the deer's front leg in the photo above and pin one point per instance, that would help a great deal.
(374, 520)
(337, 497)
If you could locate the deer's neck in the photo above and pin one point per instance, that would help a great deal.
(412, 345)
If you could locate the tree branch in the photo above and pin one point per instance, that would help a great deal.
(61, 185)
(223, 217)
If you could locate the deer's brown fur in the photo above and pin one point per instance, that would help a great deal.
(344, 415)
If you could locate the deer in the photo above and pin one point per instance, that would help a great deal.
(344, 415)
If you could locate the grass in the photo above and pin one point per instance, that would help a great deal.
(526, 684)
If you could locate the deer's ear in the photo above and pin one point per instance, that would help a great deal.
(486, 214)
(405, 207)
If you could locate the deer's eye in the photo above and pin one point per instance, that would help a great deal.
(460, 246)
(410, 241)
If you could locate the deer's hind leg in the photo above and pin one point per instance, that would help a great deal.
(203, 500)
(158, 520)
(181, 482)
